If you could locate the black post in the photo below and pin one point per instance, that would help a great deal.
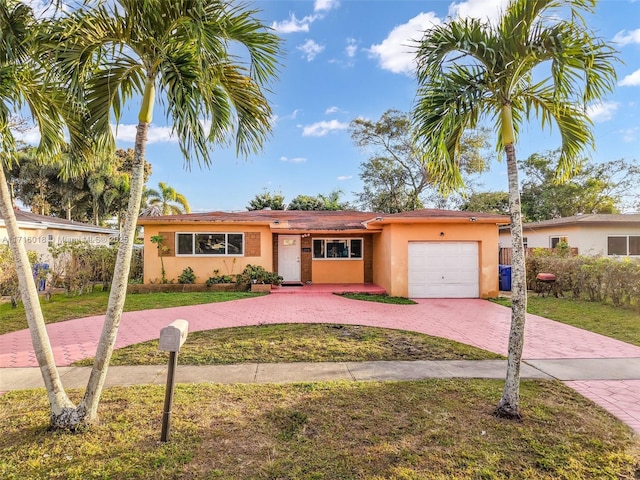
(168, 398)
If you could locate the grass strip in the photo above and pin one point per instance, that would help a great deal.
(433, 429)
(615, 322)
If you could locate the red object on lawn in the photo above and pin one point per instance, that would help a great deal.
(546, 277)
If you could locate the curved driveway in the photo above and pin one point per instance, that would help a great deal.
(472, 321)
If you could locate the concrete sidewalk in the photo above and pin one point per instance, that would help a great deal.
(565, 370)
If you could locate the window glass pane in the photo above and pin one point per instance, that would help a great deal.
(337, 249)
(634, 245)
(234, 244)
(185, 244)
(617, 246)
(210, 243)
(555, 241)
(356, 248)
(318, 248)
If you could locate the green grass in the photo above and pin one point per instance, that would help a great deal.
(299, 343)
(369, 297)
(615, 322)
(434, 429)
(62, 307)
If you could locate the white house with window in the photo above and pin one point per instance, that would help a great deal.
(591, 234)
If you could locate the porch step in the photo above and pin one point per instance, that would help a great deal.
(337, 288)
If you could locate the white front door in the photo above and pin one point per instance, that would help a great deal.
(289, 257)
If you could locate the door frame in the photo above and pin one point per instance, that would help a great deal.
(294, 253)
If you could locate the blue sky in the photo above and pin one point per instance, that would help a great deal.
(351, 58)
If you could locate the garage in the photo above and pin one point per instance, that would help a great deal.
(443, 270)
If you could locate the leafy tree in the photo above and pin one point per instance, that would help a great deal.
(319, 202)
(268, 200)
(164, 201)
(487, 202)
(468, 68)
(305, 202)
(395, 177)
(187, 50)
(595, 188)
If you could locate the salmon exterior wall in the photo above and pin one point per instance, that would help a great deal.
(391, 251)
(203, 266)
(337, 271)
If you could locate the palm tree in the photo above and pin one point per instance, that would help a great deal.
(468, 68)
(24, 83)
(187, 51)
(164, 201)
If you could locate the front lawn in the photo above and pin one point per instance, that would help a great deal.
(299, 343)
(67, 307)
(433, 429)
(616, 322)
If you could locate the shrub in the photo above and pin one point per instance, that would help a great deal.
(257, 274)
(217, 278)
(187, 276)
(8, 276)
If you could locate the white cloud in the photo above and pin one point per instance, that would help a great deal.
(345, 177)
(30, 136)
(293, 24)
(632, 80)
(293, 160)
(483, 9)
(127, 133)
(352, 47)
(320, 129)
(601, 112)
(629, 134)
(325, 5)
(396, 53)
(625, 38)
(331, 110)
(310, 49)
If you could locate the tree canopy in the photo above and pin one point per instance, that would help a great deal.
(395, 177)
(608, 187)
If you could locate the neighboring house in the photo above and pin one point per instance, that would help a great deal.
(591, 234)
(420, 254)
(38, 232)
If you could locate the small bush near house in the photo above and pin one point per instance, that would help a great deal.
(8, 277)
(598, 279)
(187, 276)
(217, 279)
(257, 274)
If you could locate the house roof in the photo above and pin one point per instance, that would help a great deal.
(33, 220)
(588, 219)
(342, 220)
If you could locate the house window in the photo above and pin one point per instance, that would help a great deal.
(344, 248)
(525, 242)
(623, 245)
(554, 241)
(210, 243)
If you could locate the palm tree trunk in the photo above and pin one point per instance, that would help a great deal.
(61, 406)
(508, 406)
(119, 283)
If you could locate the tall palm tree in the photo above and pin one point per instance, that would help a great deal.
(187, 50)
(164, 201)
(25, 84)
(529, 64)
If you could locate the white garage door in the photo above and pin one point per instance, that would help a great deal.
(443, 270)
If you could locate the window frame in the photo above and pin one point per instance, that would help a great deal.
(349, 240)
(209, 255)
(627, 239)
(560, 238)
